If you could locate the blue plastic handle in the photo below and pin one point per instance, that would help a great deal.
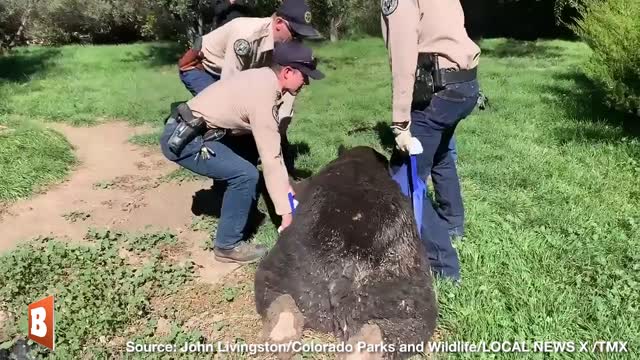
(293, 208)
(413, 180)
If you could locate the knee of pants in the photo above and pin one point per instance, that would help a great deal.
(248, 178)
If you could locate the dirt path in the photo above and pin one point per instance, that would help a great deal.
(116, 185)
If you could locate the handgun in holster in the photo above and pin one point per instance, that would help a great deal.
(188, 128)
(428, 79)
(423, 86)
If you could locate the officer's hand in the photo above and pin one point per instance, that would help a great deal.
(403, 135)
(286, 221)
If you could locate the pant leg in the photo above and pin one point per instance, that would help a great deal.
(196, 80)
(452, 149)
(446, 184)
(442, 256)
(446, 110)
(241, 178)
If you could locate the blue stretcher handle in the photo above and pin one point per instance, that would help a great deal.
(413, 176)
(293, 208)
(413, 180)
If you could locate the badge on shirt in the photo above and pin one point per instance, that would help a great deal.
(388, 6)
(241, 47)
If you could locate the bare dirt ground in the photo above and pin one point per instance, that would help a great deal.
(117, 185)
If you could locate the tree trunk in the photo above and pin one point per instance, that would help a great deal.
(11, 41)
(334, 28)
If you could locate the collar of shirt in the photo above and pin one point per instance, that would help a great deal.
(266, 43)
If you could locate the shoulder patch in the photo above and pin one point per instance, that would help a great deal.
(388, 6)
(241, 47)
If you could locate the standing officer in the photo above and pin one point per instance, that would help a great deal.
(227, 10)
(202, 134)
(433, 65)
(243, 43)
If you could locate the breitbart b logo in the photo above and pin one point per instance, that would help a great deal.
(41, 322)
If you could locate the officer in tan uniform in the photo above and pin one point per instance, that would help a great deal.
(434, 86)
(201, 136)
(243, 43)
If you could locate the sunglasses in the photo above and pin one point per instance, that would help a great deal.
(294, 34)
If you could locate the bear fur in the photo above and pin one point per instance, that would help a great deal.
(352, 257)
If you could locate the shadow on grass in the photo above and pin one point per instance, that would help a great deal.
(208, 202)
(19, 67)
(516, 48)
(159, 54)
(382, 129)
(584, 102)
(294, 151)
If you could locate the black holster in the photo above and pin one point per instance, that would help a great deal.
(424, 84)
(188, 128)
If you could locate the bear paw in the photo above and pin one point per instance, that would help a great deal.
(283, 322)
(367, 344)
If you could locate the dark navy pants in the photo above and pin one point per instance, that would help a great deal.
(434, 126)
(196, 80)
(235, 166)
(452, 149)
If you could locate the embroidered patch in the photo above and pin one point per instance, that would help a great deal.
(241, 47)
(388, 6)
(307, 17)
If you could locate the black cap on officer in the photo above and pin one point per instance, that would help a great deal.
(298, 14)
(298, 56)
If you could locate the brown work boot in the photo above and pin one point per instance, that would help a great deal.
(244, 253)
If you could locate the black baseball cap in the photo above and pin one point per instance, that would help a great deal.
(298, 56)
(298, 14)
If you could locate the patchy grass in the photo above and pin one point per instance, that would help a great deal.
(98, 294)
(549, 179)
(150, 140)
(31, 157)
(181, 175)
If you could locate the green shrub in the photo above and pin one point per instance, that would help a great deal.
(612, 30)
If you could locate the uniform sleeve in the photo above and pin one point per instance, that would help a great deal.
(400, 32)
(286, 111)
(235, 55)
(267, 136)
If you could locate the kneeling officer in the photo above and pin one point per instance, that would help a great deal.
(202, 136)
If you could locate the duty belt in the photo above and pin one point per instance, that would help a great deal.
(453, 76)
(211, 133)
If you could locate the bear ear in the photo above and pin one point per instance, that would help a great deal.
(341, 149)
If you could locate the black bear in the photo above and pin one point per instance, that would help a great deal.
(351, 263)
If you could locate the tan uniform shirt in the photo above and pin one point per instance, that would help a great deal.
(410, 27)
(243, 43)
(248, 103)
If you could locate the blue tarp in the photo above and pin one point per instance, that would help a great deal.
(412, 186)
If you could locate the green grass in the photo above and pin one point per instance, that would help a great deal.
(550, 185)
(31, 157)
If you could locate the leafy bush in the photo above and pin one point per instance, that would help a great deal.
(13, 17)
(118, 21)
(612, 30)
